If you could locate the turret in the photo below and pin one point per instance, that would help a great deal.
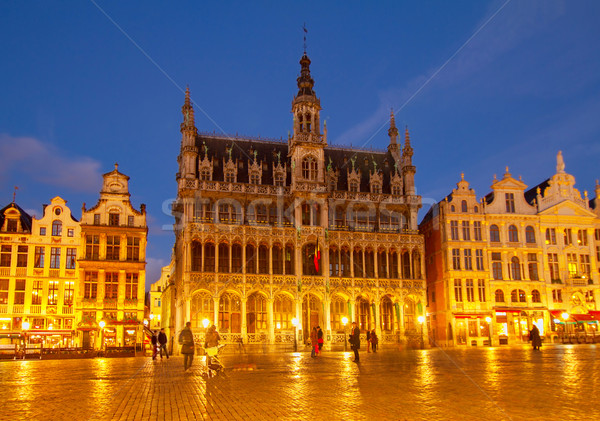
(408, 170)
(393, 147)
(188, 156)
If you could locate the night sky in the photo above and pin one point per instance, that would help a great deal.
(481, 85)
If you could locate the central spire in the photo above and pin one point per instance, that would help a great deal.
(305, 81)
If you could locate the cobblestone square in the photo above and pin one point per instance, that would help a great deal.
(558, 382)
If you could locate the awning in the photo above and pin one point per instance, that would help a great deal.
(509, 310)
(584, 317)
(470, 315)
(49, 332)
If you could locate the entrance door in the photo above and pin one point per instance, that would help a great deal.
(310, 314)
(86, 340)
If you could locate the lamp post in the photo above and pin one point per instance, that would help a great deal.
(26, 327)
(421, 320)
(565, 317)
(488, 319)
(295, 324)
(345, 322)
(101, 324)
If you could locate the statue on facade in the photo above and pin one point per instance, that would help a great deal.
(560, 163)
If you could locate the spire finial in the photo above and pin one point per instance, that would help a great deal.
(305, 32)
(462, 176)
(116, 166)
(187, 110)
(406, 137)
(15, 193)
(393, 131)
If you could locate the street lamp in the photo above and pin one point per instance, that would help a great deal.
(345, 322)
(101, 324)
(488, 319)
(421, 319)
(295, 324)
(205, 323)
(565, 317)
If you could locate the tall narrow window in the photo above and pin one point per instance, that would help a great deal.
(68, 293)
(496, 265)
(515, 268)
(92, 247)
(494, 234)
(56, 228)
(466, 231)
(309, 168)
(131, 286)
(113, 247)
(557, 296)
(584, 259)
(236, 258)
(113, 219)
(510, 202)
(90, 285)
(553, 266)
(572, 264)
(568, 237)
(39, 257)
(463, 206)
(22, 256)
(20, 285)
(3, 291)
(37, 293)
(481, 290)
(456, 259)
(458, 291)
(223, 258)
(513, 234)
(479, 259)
(582, 238)
(71, 258)
(529, 235)
(111, 285)
(468, 259)
(52, 293)
(5, 255)
(454, 230)
(477, 230)
(551, 236)
(133, 249)
(470, 290)
(532, 266)
(55, 258)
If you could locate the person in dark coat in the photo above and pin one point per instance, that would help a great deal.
(355, 340)
(314, 342)
(186, 340)
(162, 343)
(374, 341)
(154, 342)
(368, 340)
(320, 339)
(534, 336)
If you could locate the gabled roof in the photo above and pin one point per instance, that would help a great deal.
(25, 217)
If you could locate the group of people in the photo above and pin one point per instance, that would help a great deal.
(186, 340)
(354, 339)
(159, 344)
(316, 341)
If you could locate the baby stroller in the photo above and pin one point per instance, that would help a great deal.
(213, 364)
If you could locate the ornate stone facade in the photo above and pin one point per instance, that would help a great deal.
(516, 257)
(269, 231)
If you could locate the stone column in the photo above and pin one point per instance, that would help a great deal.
(270, 324)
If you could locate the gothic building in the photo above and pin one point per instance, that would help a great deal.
(511, 259)
(271, 233)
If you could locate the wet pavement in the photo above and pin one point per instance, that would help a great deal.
(560, 382)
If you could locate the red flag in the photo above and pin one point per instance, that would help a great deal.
(317, 256)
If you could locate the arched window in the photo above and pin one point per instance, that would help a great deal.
(463, 206)
(209, 257)
(263, 259)
(476, 209)
(514, 298)
(499, 296)
(354, 187)
(201, 307)
(196, 256)
(56, 228)
(358, 263)
(513, 234)
(334, 262)
(382, 264)
(283, 312)
(309, 168)
(290, 250)
(515, 268)
(363, 314)
(535, 296)
(452, 208)
(494, 234)
(250, 259)
(522, 297)
(223, 258)
(236, 258)
(387, 314)
(256, 313)
(345, 261)
(310, 261)
(338, 310)
(230, 319)
(277, 257)
(369, 264)
(529, 235)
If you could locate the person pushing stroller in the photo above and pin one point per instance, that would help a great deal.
(211, 345)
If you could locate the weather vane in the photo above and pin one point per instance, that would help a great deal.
(305, 32)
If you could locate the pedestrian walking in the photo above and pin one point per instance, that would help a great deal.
(368, 340)
(374, 340)
(355, 340)
(211, 341)
(154, 342)
(534, 337)
(162, 343)
(186, 340)
(314, 342)
(320, 338)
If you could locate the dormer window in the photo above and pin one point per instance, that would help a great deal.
(510, 202)
(205, 175)
(254, 179)
(309, 168)
(463, 206)
(230, 177)
(12, 224)
(279, 180)
(113, 219)
(376, 188)
(396, 190)
(354, 186)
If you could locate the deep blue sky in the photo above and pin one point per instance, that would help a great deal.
(78, 95)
